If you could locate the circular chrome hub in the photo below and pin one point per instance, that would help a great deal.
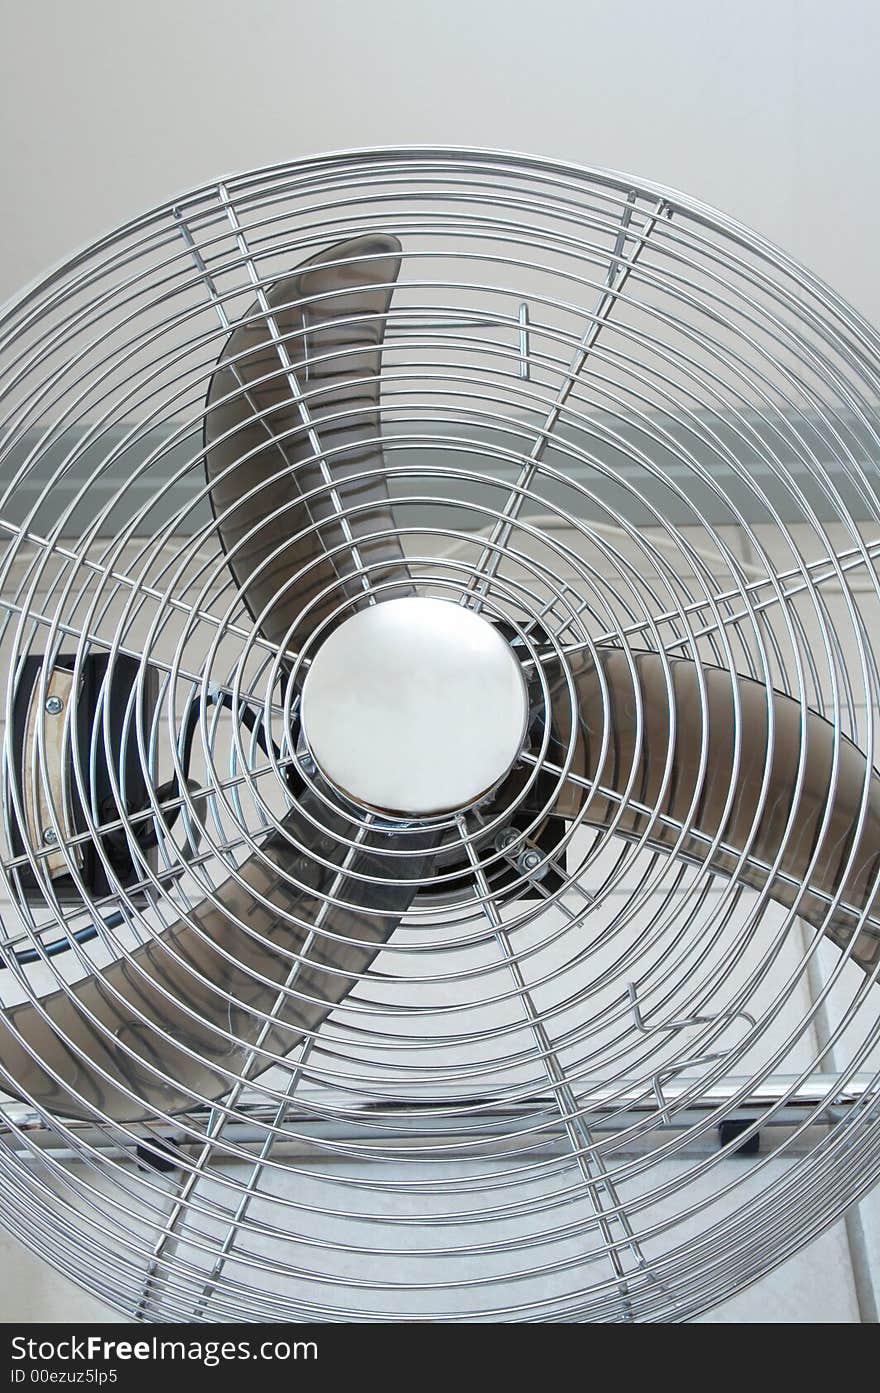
(414, 706)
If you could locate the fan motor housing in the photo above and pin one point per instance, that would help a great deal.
(101, 748)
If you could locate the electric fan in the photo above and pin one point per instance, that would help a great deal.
(441, 830)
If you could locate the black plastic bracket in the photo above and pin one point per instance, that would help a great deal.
(158, 1155)
(733, 1127)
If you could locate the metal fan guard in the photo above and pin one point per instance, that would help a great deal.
(540, 1103)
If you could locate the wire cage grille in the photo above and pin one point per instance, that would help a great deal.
(590, 1075)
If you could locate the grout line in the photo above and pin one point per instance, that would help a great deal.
(863, 1276)
(853, 1221)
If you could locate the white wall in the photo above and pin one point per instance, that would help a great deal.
(767, 108)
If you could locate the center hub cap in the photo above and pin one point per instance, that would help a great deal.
(414, 706)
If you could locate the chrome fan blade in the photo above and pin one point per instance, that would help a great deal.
(292, 447)
(292, 440)
(237, 987)
(752, 817)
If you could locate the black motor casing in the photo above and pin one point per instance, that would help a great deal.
(119, 751)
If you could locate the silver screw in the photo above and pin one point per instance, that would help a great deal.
(506, 839)
(54, 705)
(530, 860)
(49, 836)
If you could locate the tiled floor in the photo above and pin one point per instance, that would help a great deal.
(816, 1286)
